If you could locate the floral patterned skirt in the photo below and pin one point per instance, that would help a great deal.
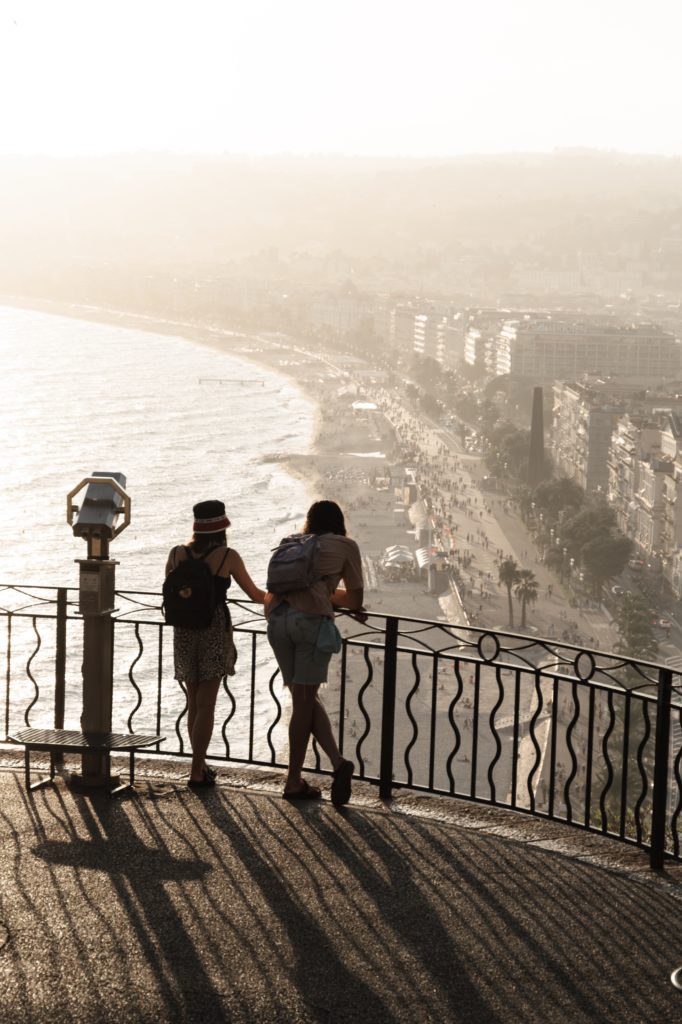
(205, 653)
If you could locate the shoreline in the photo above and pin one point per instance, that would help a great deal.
(219, 338)
(341, 463)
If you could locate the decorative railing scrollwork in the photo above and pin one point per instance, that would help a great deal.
(541, 727)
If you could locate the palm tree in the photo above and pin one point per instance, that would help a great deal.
(508, 574)
(526, 589)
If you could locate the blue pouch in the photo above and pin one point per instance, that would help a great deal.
(328, 637)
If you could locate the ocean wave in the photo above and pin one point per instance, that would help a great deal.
(176, 443)
(288, 517)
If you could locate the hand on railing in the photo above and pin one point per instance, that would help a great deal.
(360, 614)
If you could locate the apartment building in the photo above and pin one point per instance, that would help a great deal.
(545, 348)
(481, 333)
(633, 442)
(671, 539)
(582, 424)
(645, 488)
(402, 327)
(430, 335)
(650, 508)
(344, 311)
(455, 330)
(428, 328)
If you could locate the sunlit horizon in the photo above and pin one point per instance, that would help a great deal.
(428, 80)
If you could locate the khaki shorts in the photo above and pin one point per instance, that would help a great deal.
(293, 637)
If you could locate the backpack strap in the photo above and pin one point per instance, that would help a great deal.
(201, 558)
(217, 572)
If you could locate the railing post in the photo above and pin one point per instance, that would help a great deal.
(388, 709)
(661, 766)
(60, 667)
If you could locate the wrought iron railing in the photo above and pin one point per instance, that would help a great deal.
(573, 735)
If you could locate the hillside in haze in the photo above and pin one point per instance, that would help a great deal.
(149, 211)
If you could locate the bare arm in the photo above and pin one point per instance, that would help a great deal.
(237, 569)
(351, 599)
(173, 559)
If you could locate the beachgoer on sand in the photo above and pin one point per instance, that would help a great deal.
(204, 656)
(294, 622)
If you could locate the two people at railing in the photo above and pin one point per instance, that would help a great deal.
(204, 656)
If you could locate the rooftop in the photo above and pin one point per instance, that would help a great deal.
(169, 906)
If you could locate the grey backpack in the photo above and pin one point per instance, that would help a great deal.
(294, 564)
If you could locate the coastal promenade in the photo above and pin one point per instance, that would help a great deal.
(482, 524)
(237, 906)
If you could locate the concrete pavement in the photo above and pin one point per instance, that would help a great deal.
(237, 906)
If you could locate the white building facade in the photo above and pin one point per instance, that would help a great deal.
(549, 349)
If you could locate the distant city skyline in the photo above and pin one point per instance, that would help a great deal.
(435, 78)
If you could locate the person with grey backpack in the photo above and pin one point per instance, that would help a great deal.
(303, 593)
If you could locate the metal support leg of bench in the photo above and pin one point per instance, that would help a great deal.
(27, 770)
(126, 785)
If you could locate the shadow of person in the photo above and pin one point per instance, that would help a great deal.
(134, 914)
(389, 875)
(263, 836)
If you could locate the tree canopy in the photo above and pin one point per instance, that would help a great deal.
(605, 556)
(555, 496)
(508, 446)
(635, 628)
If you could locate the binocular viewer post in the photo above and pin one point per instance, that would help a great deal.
(96, 519)
(105, 499)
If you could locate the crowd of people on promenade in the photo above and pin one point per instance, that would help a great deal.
(460, 514)
(465, 524)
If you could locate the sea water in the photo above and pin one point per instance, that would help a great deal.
(181, 421)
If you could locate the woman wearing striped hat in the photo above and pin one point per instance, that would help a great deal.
(204, 656)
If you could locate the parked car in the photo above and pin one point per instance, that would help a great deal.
(636, 564)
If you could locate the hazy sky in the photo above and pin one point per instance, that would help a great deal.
(385, 77)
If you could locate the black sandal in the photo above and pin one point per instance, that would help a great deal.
(306, 792)
(203, 783)
(341, 784)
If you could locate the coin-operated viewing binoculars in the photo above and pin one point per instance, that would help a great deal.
(105, 500)
(96, 521)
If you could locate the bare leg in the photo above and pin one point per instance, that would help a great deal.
(191, 707)
(202, 729)
(322, 731)
(300, 728)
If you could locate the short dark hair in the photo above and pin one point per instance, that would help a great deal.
(324, 517)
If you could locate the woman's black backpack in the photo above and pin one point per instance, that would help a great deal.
(189, 594)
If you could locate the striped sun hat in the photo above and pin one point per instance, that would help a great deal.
(210, 517)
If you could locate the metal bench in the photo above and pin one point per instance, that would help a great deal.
(65, 741)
